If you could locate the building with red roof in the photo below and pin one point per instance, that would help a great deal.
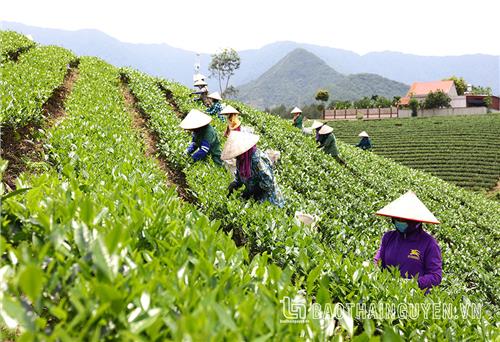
(419, 90)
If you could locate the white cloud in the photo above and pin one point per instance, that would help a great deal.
(426, 27)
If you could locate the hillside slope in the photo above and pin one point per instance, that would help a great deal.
(295, 79)
(98, 246)
(464, 150)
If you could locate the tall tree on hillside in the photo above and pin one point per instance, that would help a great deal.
(323, 96)
(460, 84)
(222, 66)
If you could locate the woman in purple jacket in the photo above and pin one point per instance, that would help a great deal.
(409, 247)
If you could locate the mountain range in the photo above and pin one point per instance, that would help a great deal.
(295, 79)
(174, 63)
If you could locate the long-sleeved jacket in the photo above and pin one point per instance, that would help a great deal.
(205, 141)
(417, 252)
(261, 184)
(329, 144)
(297, 122)
(215, 109)
(365, 143)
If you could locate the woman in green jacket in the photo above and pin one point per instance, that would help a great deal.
(297, 117)
(328, 143)
(205, 140)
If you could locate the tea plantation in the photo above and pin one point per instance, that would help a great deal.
(463, 150)
(98, 244)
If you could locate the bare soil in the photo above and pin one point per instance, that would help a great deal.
(14, 55)
(54, 107)
(169, 97)
(174, 177)
(151, 139)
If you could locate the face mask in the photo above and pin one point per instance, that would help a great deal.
(401, 226)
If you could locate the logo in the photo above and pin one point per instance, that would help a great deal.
(414, 254)
(294, 309)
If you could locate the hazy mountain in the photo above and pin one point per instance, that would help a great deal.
(256, 62)
(478, 69)
(295, 79)
(155, 59)
(167, 61)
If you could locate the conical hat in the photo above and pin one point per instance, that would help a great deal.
(363, 134)
(316, 124)
(195, 119)
(408, 207)
(215, 96)
(325, 130)
(197, 77)
(200, 83)
(296, 110)
(238, 143)
(229, 110)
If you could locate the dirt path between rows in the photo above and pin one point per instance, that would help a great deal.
(14, 55)
(151, 139)
(169, 97)
(174, 177)
(237, 234)
(23, 146)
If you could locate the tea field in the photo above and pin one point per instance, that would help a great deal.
(98, 245)
(463, 150)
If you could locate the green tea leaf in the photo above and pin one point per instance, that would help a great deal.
(31, 281)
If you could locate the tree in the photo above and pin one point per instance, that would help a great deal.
(488, 101)
(413, 104)
(478, 90)
(223, 65)
(395, 101)
(230, 92)
(312, 111)
(460, 84)
(382, 102)
(338, 104)
(437, 99)
(365, 102)
(278, 111)
(322, 95)
(343, 105)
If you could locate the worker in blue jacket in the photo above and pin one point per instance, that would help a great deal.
(365, 142)
(215, 107)
(205, 140)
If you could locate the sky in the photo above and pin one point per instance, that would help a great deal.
(423, 27)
